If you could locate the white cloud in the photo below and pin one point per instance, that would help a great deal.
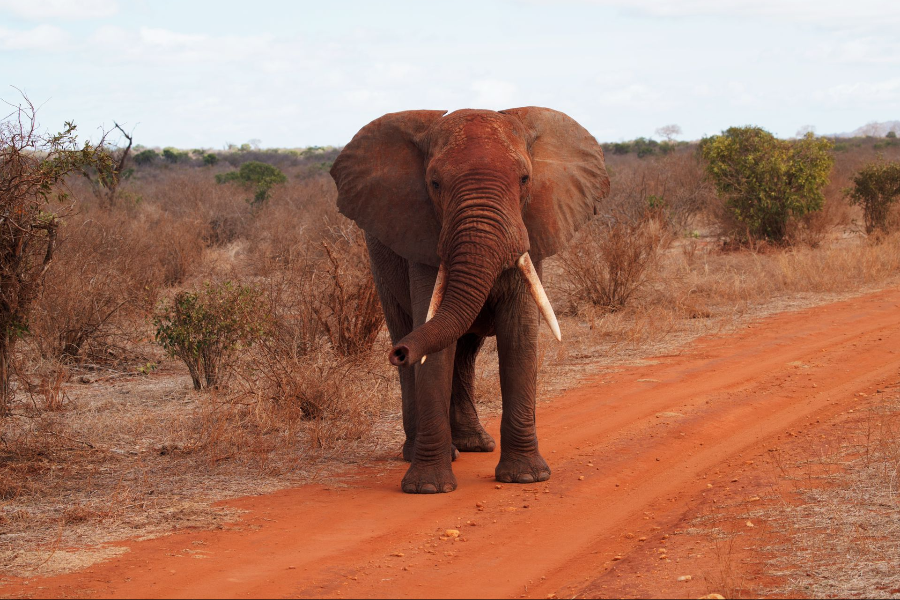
(42, 37)
(39, 10)
(868, 94)
(837, 14)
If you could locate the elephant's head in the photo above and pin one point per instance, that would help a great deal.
(474, 193)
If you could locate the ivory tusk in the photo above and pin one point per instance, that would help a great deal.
(437, 296)
(526, 267)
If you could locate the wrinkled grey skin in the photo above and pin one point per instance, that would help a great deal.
(473, 190)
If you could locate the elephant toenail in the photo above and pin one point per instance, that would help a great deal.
(428, 488)
(526, 478)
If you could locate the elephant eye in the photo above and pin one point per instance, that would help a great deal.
(524, 179)
(435, 184)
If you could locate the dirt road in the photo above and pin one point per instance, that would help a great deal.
(631, 452)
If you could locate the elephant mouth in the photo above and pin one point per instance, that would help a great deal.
(403, 355)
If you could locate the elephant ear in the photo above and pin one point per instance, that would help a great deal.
(568, 178)
(380, 177)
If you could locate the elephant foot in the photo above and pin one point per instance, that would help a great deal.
(522, 468)
(428, 479)
(409, 447)
(480, 441)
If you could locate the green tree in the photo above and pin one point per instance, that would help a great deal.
(146, 157)
(766, 181)
(171, 155)
(876, 187)
(255, 175)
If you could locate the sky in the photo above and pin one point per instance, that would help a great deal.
(203, 74)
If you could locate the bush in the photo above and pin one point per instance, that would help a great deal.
(146, 157)
(875, 188)
(347, 304)
(210, 159)
(612, 259)
(105, 271)
(259, 176)
(171, 155)
(766, 181)
(206, 328)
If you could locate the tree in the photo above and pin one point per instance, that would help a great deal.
(146, 157)
(33, 198)
(669, 132)
(876, 187)
(259, 176)
(105, 182)
(766, 181)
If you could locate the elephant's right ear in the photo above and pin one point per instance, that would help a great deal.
(380, 176)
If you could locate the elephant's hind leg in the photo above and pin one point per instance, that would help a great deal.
(468, 434)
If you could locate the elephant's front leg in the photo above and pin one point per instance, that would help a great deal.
(517, 328)
(430, 471)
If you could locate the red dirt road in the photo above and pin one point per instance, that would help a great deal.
(629, 453)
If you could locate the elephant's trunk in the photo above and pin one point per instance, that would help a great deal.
(478, 251)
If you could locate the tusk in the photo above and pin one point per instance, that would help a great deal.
(437, 296)
(526, 267)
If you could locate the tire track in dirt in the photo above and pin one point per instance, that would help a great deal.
(629, 451)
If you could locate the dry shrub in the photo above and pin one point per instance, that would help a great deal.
(107, 275)
(813, 228)
(348, 307)
(612, 259)
(281, 400)
(674, 184)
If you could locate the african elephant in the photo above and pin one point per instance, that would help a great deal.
(459, 211)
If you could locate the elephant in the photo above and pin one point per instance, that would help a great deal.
(459, 210)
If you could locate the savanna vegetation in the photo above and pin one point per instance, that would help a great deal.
(202, 323)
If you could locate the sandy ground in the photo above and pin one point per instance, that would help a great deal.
(636, 454)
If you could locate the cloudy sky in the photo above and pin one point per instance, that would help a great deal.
(291, 73)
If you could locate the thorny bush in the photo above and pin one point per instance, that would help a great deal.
(612, 259)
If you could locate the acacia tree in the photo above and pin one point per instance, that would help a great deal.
(669, 132)
(766, 181)
(33, 198)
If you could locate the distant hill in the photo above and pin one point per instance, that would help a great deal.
(873, 129)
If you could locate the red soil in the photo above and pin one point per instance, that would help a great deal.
(632, 453)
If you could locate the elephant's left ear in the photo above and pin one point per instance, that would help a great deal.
(568, 178)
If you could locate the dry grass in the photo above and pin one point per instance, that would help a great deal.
(843, 524)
